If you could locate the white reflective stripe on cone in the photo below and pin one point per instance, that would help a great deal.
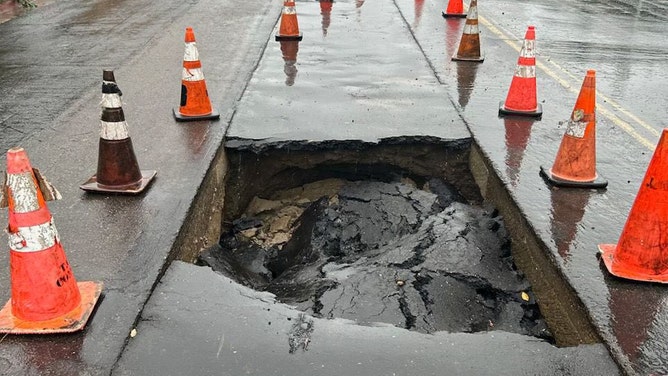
(191, 53)
(577, 124)
(23, 191)
(111, 101)
(576, 128)
(528, 49)
(114, 130)
(193, 74)
(289, 10)
(473, 14)
(471, 29)
(525, 71)
(34, 238)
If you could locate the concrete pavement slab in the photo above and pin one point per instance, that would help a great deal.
(364, 80)
(219, 327)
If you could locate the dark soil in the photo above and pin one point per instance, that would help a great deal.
(376, 252)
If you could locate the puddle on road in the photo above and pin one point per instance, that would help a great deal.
(375, 243)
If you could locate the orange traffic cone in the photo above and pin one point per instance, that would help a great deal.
(46, 297)
(521, 99)
(642, 251)
(289, 29)
(195, 102)
(575, 164)
(117, 167)
(455, 9)
(469, 44)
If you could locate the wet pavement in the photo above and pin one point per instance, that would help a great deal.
(570, 222)
(52, 61)
(223, 328)
(354, 92)
(315, 99)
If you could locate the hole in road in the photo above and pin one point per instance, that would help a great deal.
(393, 234)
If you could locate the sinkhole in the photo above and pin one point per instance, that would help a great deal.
(395, 233)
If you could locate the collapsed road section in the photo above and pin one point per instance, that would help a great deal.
(370, 251)
(293, 212)
(362, 242)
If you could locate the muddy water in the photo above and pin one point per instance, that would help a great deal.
(416, 256)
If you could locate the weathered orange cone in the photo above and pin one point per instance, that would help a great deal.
(522, 98)
(117, 167)
(575, 164)
(195, 102)
(642, 251)
(455, 8)
(289, 29)
(46, 297)
(469, 44)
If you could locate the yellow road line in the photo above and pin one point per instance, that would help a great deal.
(628, 128)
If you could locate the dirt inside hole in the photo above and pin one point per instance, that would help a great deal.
(411, 253)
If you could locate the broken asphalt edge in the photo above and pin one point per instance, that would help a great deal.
(538, 261)
(203, 218)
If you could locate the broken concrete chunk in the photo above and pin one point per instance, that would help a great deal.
(259, 205)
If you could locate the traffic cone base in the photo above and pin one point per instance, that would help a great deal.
(214, 115)
(453, 15)
(289, 37)
(551, 178)
(91, 185)
(537, 113)
(72, 321)
(478, 59)
(607, 252)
